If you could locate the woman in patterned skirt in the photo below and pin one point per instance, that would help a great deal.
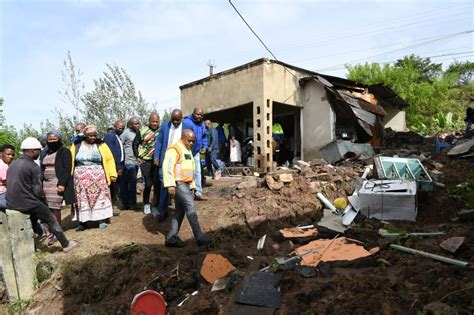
(94, 170)
(56, 166)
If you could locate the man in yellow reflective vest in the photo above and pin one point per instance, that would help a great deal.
(178, 178)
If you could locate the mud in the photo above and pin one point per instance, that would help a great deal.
(104, 280)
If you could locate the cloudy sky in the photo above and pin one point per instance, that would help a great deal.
(165, 44)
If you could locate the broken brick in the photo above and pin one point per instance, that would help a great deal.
(214, 267)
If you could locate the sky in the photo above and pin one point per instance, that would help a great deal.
(165, 44)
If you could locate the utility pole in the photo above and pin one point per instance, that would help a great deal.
(211, 66)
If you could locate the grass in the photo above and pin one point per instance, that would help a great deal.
(18, 306)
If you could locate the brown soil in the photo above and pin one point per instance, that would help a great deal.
(114, 264)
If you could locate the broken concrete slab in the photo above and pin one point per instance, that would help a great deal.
(214, 267)
(247, 184)
(272, 184)
(461, 148)
(332, 221)
(298, 232)
(339, 249)
(452, 244)
(285, 178)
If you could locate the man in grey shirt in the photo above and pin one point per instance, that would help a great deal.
(128, 183)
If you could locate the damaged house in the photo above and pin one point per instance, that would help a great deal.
(321, 115)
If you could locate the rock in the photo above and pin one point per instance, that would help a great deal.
(436, 165)
(272, 184)
(438, 308)
(315, 187)
(439, 185)
(466, 214)
(437, 176)
(302, 165)
(44, 270)
(285, 178)
(452, 244)
(255, 221)
(247, 184)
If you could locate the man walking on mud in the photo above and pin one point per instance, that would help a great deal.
(179, 177)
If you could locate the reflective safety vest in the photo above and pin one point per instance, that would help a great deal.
(178, 165)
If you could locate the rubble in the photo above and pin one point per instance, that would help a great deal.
(452, 244)
(215, 267)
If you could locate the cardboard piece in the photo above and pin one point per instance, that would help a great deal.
(215, 267)
(326, 250)
(298, 232)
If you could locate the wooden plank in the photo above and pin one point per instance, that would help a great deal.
(23, 248)
(6, 259)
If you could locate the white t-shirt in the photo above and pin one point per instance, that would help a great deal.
(175, 134)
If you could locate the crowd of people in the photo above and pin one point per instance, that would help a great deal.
(98, 177)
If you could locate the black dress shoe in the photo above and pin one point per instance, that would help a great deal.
(178, 243)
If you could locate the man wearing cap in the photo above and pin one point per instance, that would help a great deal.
(25, 190)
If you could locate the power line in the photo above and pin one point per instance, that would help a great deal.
(466, 53)
(401, 49)
(251, 29)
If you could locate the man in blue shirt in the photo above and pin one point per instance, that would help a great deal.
(196, 124)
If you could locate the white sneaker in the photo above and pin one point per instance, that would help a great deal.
(147, 209)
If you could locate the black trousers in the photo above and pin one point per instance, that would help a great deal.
(150, 175)
(43, 213)
(115, 190)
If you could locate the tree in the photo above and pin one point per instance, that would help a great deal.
(8, 134)
(114, 97)
(427, 70)
(429, 93)
(73, 85)
(465, 71)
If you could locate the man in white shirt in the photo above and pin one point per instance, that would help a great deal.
(170, 133)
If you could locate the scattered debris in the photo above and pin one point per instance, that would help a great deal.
(352, 210)
(247, 184)
(261, 242)
(298, 232)
(260, 289)
(272, 184)
(285, 178)
(220, 284)
(403, 169)
(452, 244)
(339, 149)
(388, 199)
(385, 233)
(214, 267)
(447, 260)
(182, 302)
(332, 221)
(462, 148)
(438, 308)
(338, 249)
(327, 203)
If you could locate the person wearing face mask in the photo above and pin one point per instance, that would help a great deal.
(94, 171)
(25, 191)
(56, 167)
(112, 139)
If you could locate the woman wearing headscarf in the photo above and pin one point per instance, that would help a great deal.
(94, 170)
(56, 167)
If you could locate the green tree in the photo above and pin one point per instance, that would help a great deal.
(429, 93)
(427, 70)
(465, 71)
(8, 133)
(114, 97)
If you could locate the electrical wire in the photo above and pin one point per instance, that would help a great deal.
(401, 49)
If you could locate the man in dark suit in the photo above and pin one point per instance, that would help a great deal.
(112, 139)
(170, 133)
